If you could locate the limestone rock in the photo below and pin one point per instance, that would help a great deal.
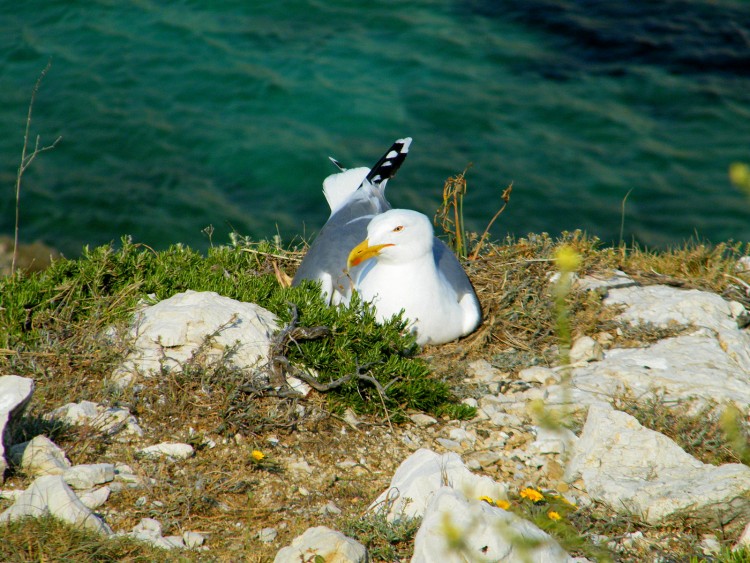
(15, 394)
(94, 498)
(51, 495)
(682, 367)
(489, 534)
(663, 306)
(585, 349)
(174, 450)
(610, 280)
(553, 440)
(40, 456)
(423, 420)
(482, 370)
(169, 332)
(421, 475)
(636, 470)
(268, 535)
(332, 546)
(538, 374)
(149, 530)
(110, 421)
(193, 539)
(87, 476)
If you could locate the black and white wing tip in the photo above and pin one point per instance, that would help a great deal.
(337, 164)
(390, 162)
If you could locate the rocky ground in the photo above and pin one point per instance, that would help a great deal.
(562, 448)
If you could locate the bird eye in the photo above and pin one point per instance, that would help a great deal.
(398, 229)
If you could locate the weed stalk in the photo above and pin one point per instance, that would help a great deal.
(26, 160)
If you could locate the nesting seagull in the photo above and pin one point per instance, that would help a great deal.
(391, 256)
(404, 272)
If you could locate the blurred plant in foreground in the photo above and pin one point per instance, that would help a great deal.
(739, 175)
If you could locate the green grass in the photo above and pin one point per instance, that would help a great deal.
(75, 299)
(385, 541)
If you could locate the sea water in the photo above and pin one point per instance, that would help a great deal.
(620, 118)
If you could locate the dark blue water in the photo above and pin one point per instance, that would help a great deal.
(195, 114)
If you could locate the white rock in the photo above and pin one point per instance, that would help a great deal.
(553, 440)
(300, 466)
(169, 332)
(504, 419)
(107, 420)
(423, 420)
(331, 546)
(15, 394)
(51, 495)
(489, 534)
(329, 508)
(268, 535)
(148, 528)
(682, 367)
(480, 460)
(462, 436)
(94, 498)
(174, 450)
(538, 374)
(664, 306)
(636, 470)
(482, 370)
(610, 280)
(585, 349)
(421, 475)
(450, 445)
(193, 539)
(299, 386)
(170, 542)
(87, 476)
(40, 456)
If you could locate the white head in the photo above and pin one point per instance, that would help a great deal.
(398, 235)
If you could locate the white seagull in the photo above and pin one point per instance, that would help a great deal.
(356, 198)
(411, 270)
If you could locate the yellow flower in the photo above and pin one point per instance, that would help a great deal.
(568, 260)
(532, 494)
(258, 455)
(486, 499)
(554, 515)
(504, 504)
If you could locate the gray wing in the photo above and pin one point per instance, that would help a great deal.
(451, 268)
(326, 259)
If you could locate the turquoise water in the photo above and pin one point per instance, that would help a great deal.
(175, 118)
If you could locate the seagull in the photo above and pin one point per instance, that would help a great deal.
(408, 269)
(355, 196)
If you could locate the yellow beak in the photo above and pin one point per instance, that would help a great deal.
(363, 251)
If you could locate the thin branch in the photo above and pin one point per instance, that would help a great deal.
(506, 199)
(26, 160)
(279, 256)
